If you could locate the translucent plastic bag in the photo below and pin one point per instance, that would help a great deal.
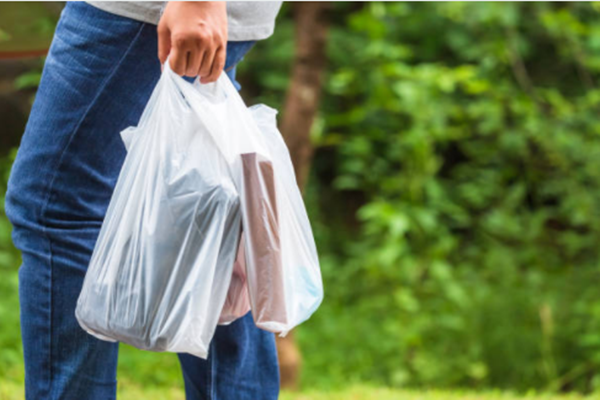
(171, 262)
(162, 266)
(301, 275)
(282, 266)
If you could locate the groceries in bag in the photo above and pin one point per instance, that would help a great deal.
(163, 262)
(171, 261)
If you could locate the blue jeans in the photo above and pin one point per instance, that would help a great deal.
(96, 81)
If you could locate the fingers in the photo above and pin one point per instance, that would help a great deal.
(164, 43)
(194, 60)
(207, 63)
(178, 60)
(193, 54)
(186, 53)
(217, 66)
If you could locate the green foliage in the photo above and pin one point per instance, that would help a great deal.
(456, 196)
(10, 345)
(28, 80)
(27, 27)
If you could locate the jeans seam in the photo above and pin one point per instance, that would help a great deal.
(210, 390)
(208, 373)
(52, 358)
(48, 195)
(213, 364)
(48, 387)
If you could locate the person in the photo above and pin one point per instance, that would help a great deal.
(99, 73)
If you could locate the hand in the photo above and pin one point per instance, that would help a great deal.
(194, 36)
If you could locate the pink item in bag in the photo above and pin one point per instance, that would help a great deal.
(237, 303)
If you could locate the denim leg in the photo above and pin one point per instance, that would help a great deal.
(235, 54)
(241, 365)
(97, 77)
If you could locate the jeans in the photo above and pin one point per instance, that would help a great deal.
(98, 76)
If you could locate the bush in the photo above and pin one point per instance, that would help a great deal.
(455, 196)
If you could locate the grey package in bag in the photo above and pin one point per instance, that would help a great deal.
(161, 269)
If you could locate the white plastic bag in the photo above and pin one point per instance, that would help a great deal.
(168, 265)
(282, 266)
(163, 262)
(303, 288)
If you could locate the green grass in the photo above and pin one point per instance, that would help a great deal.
(14, 391)
(370, 393)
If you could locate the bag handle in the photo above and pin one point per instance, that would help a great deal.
(214, 92)
(214, 104)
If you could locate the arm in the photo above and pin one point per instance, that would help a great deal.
(194, 36)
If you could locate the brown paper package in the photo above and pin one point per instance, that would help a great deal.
(262, 234)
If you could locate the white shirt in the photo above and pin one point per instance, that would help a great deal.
(254, 20)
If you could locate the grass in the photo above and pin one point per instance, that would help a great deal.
(13, 391)
(370, 393)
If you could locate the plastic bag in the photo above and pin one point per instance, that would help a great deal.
(170, 262)
(282, 266)
(301, 275)
(161, 269)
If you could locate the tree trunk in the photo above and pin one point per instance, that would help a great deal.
(302, 99)
(300, 108)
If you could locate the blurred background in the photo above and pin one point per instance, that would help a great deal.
(450, 159)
